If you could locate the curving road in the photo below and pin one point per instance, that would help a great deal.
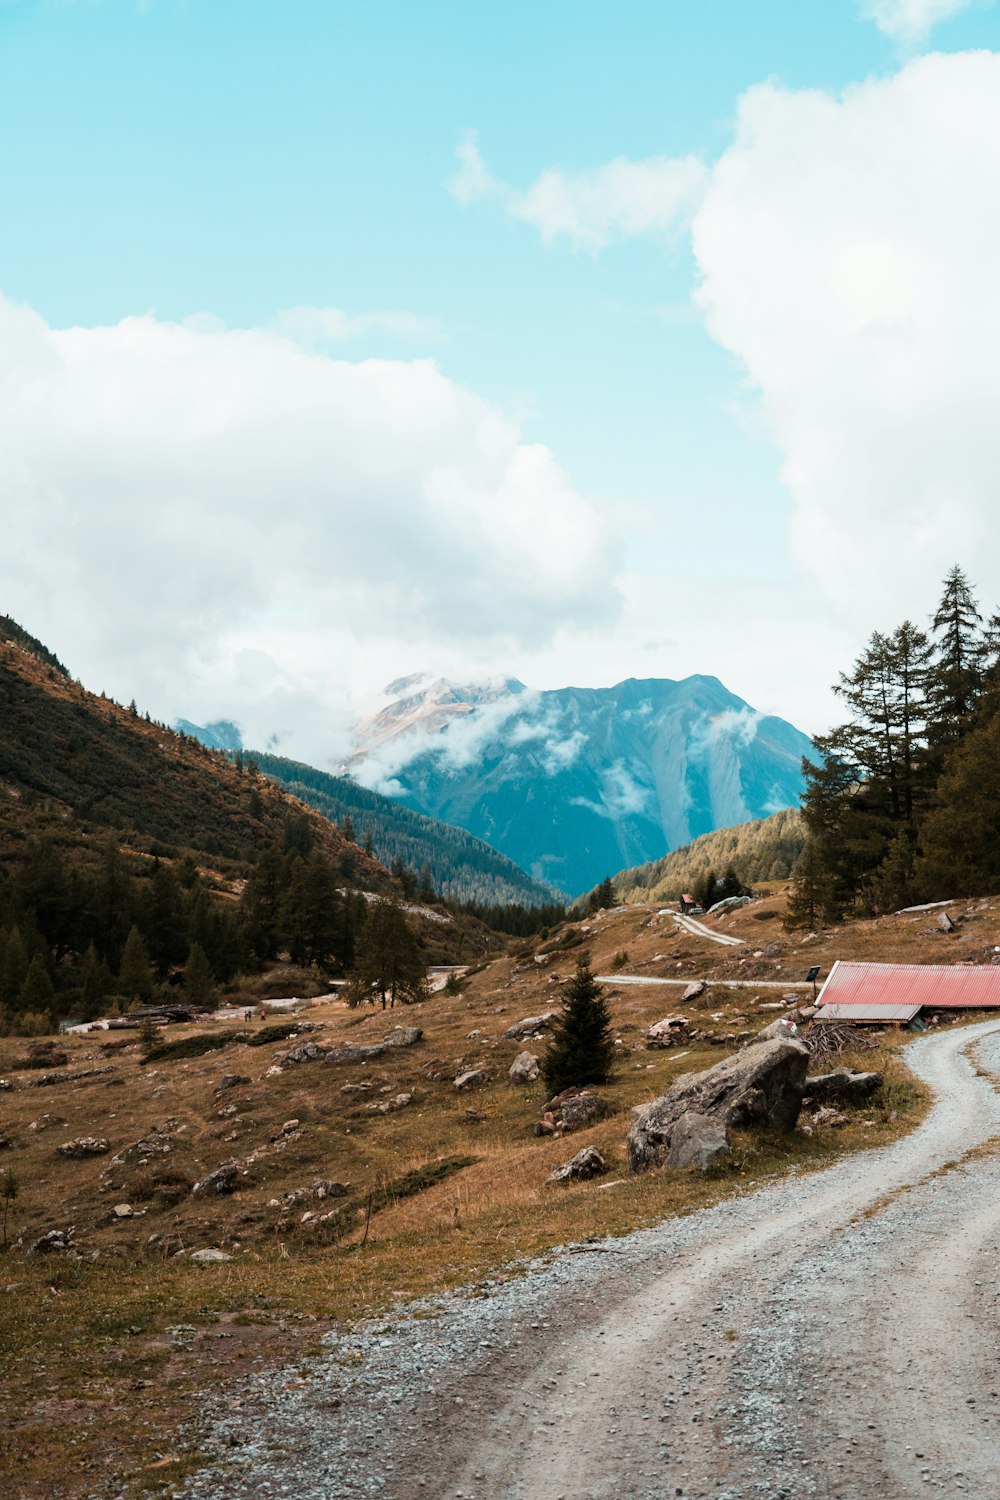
(830, 1335)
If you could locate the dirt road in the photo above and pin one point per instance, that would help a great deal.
(832, 1335)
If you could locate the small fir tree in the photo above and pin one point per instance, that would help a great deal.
(199, 986)
(36, 993)
(581, 1050)
(135, 977)
(388, 964)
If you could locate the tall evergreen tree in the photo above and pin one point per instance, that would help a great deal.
(388, 964)
(36, 994)
(135, 977)
(955, 679)
(581, 1050)
(199, 985)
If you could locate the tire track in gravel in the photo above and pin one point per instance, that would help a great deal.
(780, 1344)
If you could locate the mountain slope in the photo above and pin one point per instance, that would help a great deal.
(461, 866)
(765, 849)
(578, 782)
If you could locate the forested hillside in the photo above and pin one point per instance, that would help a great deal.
(765, 849)
(135, 861)
(457, 864)
(903, 803)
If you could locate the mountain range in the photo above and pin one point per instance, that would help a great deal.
(576, 783)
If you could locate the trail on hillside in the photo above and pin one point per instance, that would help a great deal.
(829, 1335)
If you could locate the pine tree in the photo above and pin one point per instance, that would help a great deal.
(347, 828)
(388, 963)
(581, 1050)
(803, 909)
(94, 984)
(13, 968)
(36, 993)
(199, 986)
(135, 977)
(956, 675)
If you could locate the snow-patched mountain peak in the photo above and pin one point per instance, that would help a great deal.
(425, 703)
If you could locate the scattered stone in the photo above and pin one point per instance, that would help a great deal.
(390, 1106)
(666, 1033)
(209, 1257)
(86, 1145)
(698, 1140)
(575, 1109)
(321, 1188)
(762, 1084)
(842, 1086)
(230, 1081)
(524, 1068)
(828, 1116)
(356, 1088)
(695, 991)
(348, 1054)
(403, 1036)
(123, 1211)
(475, 1116)
(945, 923)
(54, 1242)
(585, 1164)
(5, 1084)
(226, 1112)
(531, 1025)
(785, 1026)
(472, 1078)
(222, 1180)
(307, 1052)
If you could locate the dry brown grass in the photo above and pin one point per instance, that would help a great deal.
(93, 1339)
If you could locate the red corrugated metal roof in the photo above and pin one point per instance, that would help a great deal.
(939, 986)
(861, 1011)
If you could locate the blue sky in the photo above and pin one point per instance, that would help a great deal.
(233, 159)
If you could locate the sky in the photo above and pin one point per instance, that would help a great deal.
(571, 341)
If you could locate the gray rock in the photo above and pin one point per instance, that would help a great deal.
(123, 1211)
(842, 1086)
(404, 1036)
(321, 1188)
(666, 1033)
(578, 1110)
(209, 1257)
(473, 1078)
(390, 1106)
(86, 1145)
(698, 1140)
(524, 1068)
(307, 1052)
(945, 923)
(356, 1054)
(763, 1084)
(784, 1026)
(54, 1242)
(829, 1116)
(230, 1081)
(585, 1164)
(531, 1025)
(695, 991)
(222, 1180)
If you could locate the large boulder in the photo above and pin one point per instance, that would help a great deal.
(668, 1032)
(698, 1140)
(472, 1078)
(762, 1085)
(222, 1180)
(585, 1164)
(524, 1068)
(842, 1086)
(350, 1054)
(531, 1025)
(578, 1110)
(404, 1036)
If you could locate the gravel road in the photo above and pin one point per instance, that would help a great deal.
(831, 1335)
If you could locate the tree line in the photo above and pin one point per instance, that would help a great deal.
(902, 802)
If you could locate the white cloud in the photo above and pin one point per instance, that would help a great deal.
(313, 327)
(847, 249)
(618, 200)
(201, 517)
(910, 21)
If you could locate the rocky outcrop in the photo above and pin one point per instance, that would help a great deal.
(762, 1085)
(472, 1078)
(668, 1032)
(348, 1054)
(404, 1036)
(585, 1164)
(222, 1180)
(85, 1145)
(842, 1086)
(698, 1140)
(574, 1109)
(695, 990)
(524, 1068)
(389, 1106)
(531, 1026)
